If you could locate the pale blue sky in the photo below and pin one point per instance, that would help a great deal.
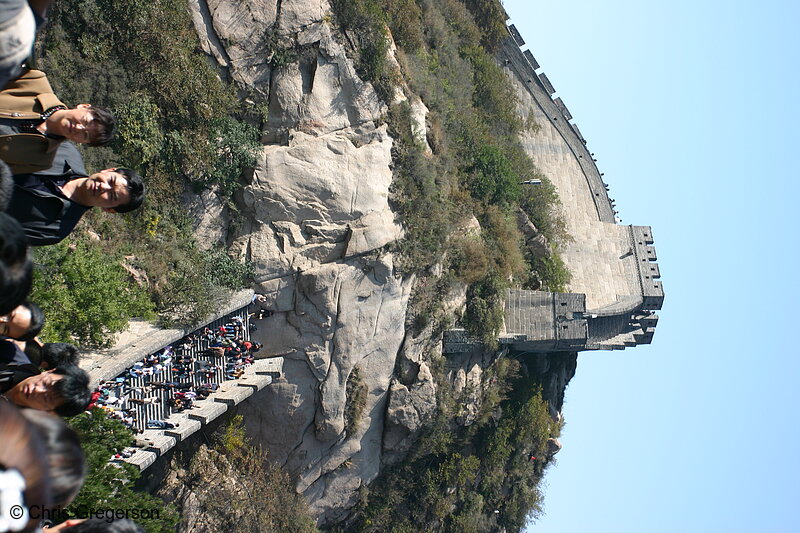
(690, 109)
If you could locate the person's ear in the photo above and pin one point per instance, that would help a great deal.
(83, 106)
(109, 210)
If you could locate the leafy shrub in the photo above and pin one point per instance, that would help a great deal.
(139, 137)
(405, 23)
(553, 272)
(493, 94)
(86, 296)
(110, 486)
(365, 21)
(469, 258)
(225, 271)
(490, 17)
(483, 316)
(504, 243)
(543, 206)
(235, 145)
(491, 177)
(356, 392)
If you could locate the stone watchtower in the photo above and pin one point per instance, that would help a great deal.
(619, 314)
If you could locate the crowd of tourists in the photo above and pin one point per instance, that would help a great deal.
(173, 379)
(45, 189)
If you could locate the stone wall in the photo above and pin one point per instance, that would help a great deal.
(614, 286)
(607, 262)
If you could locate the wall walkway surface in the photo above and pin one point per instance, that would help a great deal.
(142, 339)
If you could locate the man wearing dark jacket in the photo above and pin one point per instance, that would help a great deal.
(50, 204)
(64, 390)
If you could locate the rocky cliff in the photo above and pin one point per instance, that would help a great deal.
(314, 217)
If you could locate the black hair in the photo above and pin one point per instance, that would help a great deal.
(135, 188)
(16, 268)
(73, 389)
(100, 525)
(65, 456)
(108, 126)
(59, 354)
(37, 321)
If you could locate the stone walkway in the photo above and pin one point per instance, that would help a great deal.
(143, 338)
(153, 443)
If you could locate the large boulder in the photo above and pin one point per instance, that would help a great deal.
(345, 315)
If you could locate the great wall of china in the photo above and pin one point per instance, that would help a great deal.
(615, 285)
(614, 289)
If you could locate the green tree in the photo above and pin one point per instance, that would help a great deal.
(492, 178)
(86, 296)
(110, 486)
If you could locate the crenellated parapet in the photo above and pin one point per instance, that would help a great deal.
(512, 30)
(649, 273)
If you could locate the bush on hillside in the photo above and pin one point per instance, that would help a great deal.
(86, 295)
(110, 486)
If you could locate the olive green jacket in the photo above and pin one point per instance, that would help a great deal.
(26, 98)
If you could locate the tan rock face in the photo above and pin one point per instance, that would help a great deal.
(344, 315)
(314, 219)
(310, 199)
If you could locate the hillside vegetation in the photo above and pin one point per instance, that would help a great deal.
(478, 477)
(179, 126)
(476, 164)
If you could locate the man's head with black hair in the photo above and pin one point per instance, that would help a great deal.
(23, 323)
(115, 190)
(106, 127)
(58, 354)
(65, 456)
(84, 124)
(73, 389)
(16, 269)
(135, 189)
(64, 390)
